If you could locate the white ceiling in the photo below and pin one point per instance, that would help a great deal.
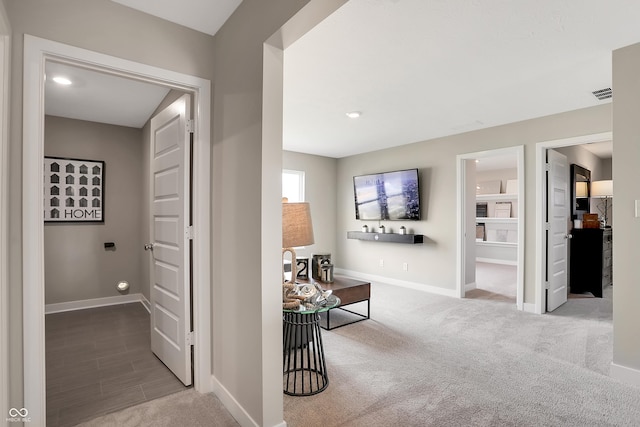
(420, 69)
(100, 97)
(206, 16)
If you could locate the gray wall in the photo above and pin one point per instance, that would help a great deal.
(320, 192)
(434, 263)
(626, 234)
(77, 267)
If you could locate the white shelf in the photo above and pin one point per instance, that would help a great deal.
(496, 244)
(497, 220)
(501, 196)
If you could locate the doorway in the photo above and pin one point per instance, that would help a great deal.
(491, 224)
(37, 52)
(542, 240)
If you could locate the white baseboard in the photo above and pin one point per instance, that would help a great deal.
(402, 283)
(470, 286)
(145, 302)
(92, 303)
(625, 374)
(233, 406)
(529, 308)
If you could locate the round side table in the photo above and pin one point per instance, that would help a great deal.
(304, 366)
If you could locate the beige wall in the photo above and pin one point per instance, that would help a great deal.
(77, 266)
(320, 192)
(434, 263)
(626, 234)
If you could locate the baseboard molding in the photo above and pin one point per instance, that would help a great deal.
(402, 283)
(470, 286)
(92, 303)
(233, 406)
(145, 302)
(625, 374)
(529, 308)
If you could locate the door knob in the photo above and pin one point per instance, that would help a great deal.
(568, 236)
(148, 246)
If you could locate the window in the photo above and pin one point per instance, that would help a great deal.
(293, 185)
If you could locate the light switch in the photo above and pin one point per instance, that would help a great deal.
(637, 208)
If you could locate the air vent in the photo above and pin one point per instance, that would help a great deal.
(603, 94)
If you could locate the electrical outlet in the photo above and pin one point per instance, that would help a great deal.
(405, 266)
(381, 262)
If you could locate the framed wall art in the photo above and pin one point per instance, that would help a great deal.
(73, 190)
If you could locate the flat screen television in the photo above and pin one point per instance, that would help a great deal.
(387, 196)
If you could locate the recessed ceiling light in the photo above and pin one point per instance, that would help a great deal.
(62, 80)
(354, 114)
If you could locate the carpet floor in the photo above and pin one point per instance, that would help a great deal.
(429, 360)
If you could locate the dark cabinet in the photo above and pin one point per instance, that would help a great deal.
(591, 267)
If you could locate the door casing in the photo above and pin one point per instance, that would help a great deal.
(541, 207)
(36, 52)
(518, 152)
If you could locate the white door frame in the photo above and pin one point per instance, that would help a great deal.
(518, 152)
(541, 207)
(36, 52)
(5, 61)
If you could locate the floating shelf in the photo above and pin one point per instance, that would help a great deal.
(386, 237)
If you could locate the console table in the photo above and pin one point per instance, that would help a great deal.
(304, 366)
(591, 266)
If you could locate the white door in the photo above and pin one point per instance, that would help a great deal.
(557, 238)
(170, 237)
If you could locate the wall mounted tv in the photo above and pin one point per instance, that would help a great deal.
(387, 195)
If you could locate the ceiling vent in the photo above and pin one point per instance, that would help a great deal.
(602, 94)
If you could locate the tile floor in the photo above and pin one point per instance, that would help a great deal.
(99, 361)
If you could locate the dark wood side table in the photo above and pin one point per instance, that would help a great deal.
(304, 366)
(350, 291)
(591, 265)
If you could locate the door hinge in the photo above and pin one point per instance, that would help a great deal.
(547, 226)
(188, 232)
(547, 167)
(547, 285)
(190, 338)
(190, 126)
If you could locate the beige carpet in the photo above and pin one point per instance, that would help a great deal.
(187, 408)
(427, 360)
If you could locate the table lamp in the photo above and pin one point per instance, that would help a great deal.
(603, 190)
(297, 230)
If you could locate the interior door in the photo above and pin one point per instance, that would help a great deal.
(170, 237)
(557, 237)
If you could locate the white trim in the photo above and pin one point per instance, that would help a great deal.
(529, 308)
(423, 287)
(145, 302)
(92, 303)
(625, 374)
(518, 151)
(470, 287)
(36, 52)
(541, 207)
(233, 406)
(5, 70)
